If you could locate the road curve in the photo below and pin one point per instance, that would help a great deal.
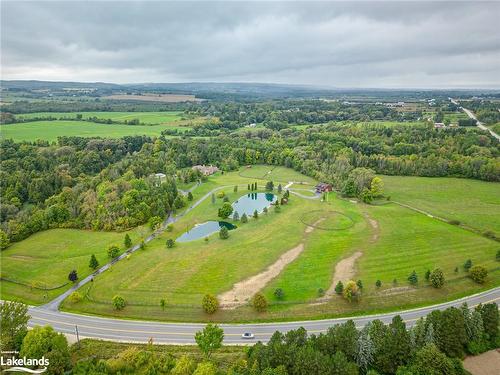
(183, 333)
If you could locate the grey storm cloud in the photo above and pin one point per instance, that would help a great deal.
(355, 44)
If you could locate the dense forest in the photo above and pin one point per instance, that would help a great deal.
(434, 345)
(105, 184)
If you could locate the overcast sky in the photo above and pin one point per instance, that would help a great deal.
(356, 44)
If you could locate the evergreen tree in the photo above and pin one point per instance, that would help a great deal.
(73, 276)
(224, 233)
(429, 334)
(378, 283)
(413, 278)
(364, 350)
(127, 241)
(359, 283)
(427, 275)
(244, 218)
(235, 189)
(236, 216)
(339, 288)
(190, 196)
(489, 313)
(255, 214)
(213, 198)
(467, 265)
(248, 187)
(280, 188)
(452, 334)
(93, 262)
(437, 278)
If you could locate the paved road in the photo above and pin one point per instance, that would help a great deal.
(479, 124)
(183, 333)
(56, 302)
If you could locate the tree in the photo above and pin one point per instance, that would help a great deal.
(154, 222)
(451, 334)
(4, 240)
(467, 265)
(255, 214)
(269, 186)
(259, 302)
(359, 283)
(73, 276)
(170, 243)
(497, 257)
(366, 195)
(278, 293)
(113, 251)
(478, 274)
(378, 283)
(224, 233)
(429, 360)
(127, 241)
(490, 315)
(265, 210)
(235, 189)
(437, 278)
(190, 196)
(236, 216)
(244, 218)
(427, 275)
(339, 288)
(413, 278)
(163, 303)
(249, 187)
(94, 263)
(170, 227)
(179, 201)
(45, 342)
(118, 302)
(14, 325)
(210, 339)
(364, 349)
(351, 290)
(213, 198)
(280, 188)
(225, 210)
(377, 187)
(225, 199)
(210, 304)
(75, 297)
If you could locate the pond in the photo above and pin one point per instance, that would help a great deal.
(203, 230)
(247, 204)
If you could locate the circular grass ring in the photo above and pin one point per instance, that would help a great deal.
(311, 219)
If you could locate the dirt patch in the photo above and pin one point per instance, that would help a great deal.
(22, 257)
(344, 271)
(397, 290)
(484, 364)
(310, 228)
(244, 290)
(375, 229)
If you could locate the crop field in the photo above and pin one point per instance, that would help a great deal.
(45, 259)
(390, 241)
(472, 202)
(50, 130)
(148, 118)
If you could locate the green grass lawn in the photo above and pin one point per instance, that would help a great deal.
(475, 203)
(276, 174)
(150, 118)
(50, 130)
(495, 127)
(46, 258)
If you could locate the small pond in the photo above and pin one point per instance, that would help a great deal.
(203, 230)
(247, 204)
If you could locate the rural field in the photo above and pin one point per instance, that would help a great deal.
(44, 260)
(50, 130)
(474, 203)
(379, 242)
(148, 118)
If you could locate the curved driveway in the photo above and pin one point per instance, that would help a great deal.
(183, 333)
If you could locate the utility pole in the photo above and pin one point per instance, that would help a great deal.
(77, 336)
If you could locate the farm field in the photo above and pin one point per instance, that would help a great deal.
(149, 118)
(393, 241)
(50, 130)
(472, 202)
(46, 258)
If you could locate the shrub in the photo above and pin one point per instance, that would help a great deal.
(265, 210)
(467, 265)
(170, 227)
(279, 294)
(221, 194)
(225, 211)
(190, 196)
(478, 274)
(378, 283)
(154, 222)
(210, 304)
(75, 297)
(255, 214)
(351, 290)
(454, 222)
(244, 218)
(163, 303)
(118, 302)
(113, 251)
(413, 278)
(498, 256)
(427, 275)
(224, 233)
(127, 241)
(359, 283)
(321, 292)
(259, 302)
(93, 263)
(437, 278)
(170, 243)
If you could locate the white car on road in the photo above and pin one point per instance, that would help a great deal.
(247, 335)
